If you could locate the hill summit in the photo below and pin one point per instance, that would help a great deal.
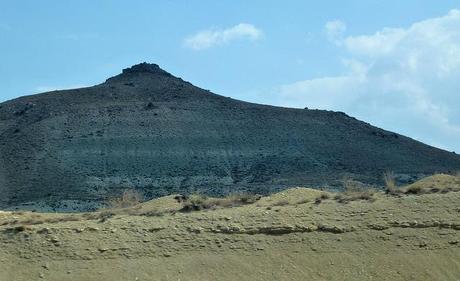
(148, 130)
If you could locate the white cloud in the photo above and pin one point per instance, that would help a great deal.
(210, 38)
(402, 79)
(382, 42)
(335, 30)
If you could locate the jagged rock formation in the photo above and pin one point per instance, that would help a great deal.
(150, 130)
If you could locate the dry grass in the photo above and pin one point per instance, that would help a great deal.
(439, 183)
(350, 186)
(419, 190)
(302, 201)
(129, 198)
(415, 190)
(156, 213)
(390, 184)
(323, 196)
(282, 202)
(34, 219)
(367, 195)
(354, 191)
(17, 229)
(197, 202)
(128, 202)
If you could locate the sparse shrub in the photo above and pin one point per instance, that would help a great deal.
(154, 213)
(196, 202)
(20, 228)
(434, 189)
(33, 221)
(89, 216)
(390, 183)
(302, 201)
(62, 218)
(282, 202)
(414, 190)
(347, 197)
(180, 198)
(247, 198)
(16, 229)
(353, 191)
(448, 189)
(321, 197)
(419, 190)
(105, 215)
(128, 198)
(339, 197)
(438, 183)
(324, 196)
(350, 185)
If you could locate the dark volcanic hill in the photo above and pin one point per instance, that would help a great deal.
(150, 130)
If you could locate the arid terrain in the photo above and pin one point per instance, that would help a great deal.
(230, 140)
(146, 129)
(409, 233)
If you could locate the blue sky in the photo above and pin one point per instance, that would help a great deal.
(394, 64)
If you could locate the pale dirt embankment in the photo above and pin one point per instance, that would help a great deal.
(286, 236)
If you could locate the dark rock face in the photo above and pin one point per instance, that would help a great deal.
(149, 130)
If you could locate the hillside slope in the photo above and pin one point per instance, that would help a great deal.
(152, 131)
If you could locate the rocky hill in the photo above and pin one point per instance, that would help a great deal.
(149, 130)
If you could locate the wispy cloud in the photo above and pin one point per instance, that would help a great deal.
(403, 79)
(213, 37)
(42, 89)
(335, 30)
